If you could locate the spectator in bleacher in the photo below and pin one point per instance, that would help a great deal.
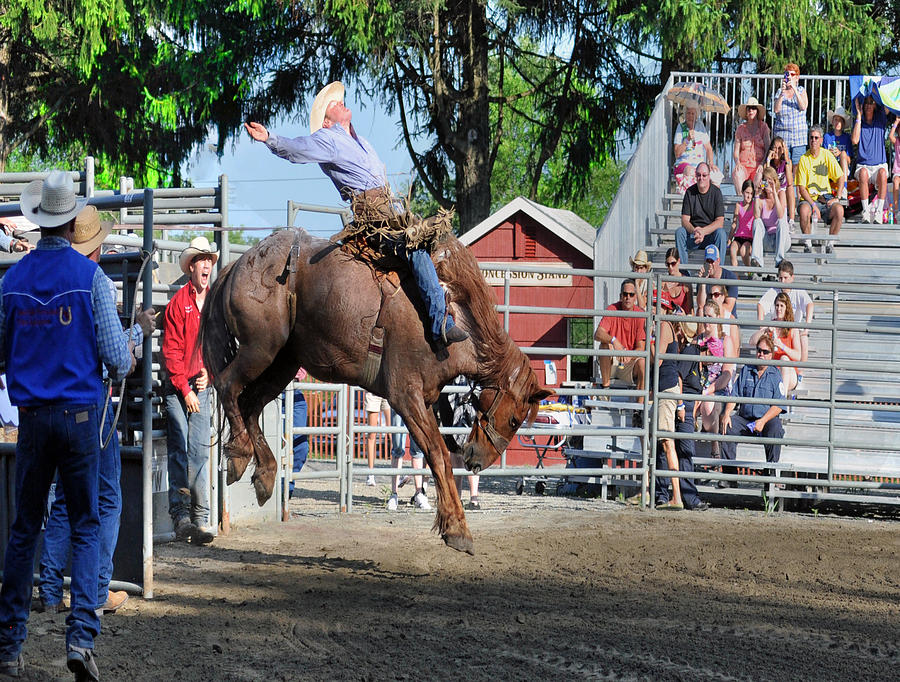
(815, 173)
(8, 242)
(770, 225)
(895, 180)
(702, 217)
(741, 236)
(731, 332)
(714, 380)
(623, 333)
(681, 294)
(790, 107)
(754, 381)
(751, 141)
(871, 158)
(692, 148)
(780, 162)
(640, 263)
(839, 144)
(786, 340)
(801, 304)
(668, 381)
(689, 375)
(712, 269)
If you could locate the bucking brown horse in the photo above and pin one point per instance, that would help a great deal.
(294, 300)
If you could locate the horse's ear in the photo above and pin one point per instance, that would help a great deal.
(538, 396)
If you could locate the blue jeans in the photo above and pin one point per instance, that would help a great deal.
(398, 441)
(55, 555)
(684, 448)
(300, 442)
(51, 438)
(685, 242)
(772, 429)
(425, 276)
(188, 447)
(797, 151)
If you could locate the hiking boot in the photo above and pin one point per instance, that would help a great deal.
(393, 502)
(419, 501)
(41, 605)
(454, 335)
(81, 662)
(201, 536)
(13, 668)
(113, 601)
(183, 529)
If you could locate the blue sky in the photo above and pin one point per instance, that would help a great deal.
(261, 183)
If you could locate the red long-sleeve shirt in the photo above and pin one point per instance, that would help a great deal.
(182, 360)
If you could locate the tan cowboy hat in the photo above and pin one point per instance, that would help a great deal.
(840, 111)
(198, 246)
(333, 92)
(689, 329)
(640, 259)
(752, 102)
(89, 231)
(51, 202)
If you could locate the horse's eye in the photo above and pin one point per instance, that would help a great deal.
(513, 422)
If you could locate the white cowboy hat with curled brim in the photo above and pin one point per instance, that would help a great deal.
(333, 92)
(89, 231)
(751, 103)
(640, 259)
(840, 111)
(51, 202)
(199, 246)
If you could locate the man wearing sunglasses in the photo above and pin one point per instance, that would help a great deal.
(623, 333)
(815, 172)
(754, 381)
(702, 217)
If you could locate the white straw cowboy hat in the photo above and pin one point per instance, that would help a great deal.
(640, 259)
(199, 247)
(752, 102)
(333, 92)
(839, 111)
(89, 231)
(51, 202)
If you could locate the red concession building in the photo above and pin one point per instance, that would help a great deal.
(525, 232)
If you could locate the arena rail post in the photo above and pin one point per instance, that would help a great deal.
(146, 413)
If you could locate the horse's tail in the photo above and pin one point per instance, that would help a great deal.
(216, 339)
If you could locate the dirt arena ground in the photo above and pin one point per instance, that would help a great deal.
(559, 588)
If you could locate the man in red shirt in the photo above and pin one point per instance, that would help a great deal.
(623, 333)
(187, 400)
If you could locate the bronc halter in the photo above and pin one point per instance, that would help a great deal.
(484, 419)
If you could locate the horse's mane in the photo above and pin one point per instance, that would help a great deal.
(497, 355)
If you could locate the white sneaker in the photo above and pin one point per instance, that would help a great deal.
(792, 226)
(370, 480)
(879, 217)
(868, 214)
(393, 502)
(420, 501)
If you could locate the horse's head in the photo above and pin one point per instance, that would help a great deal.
(499, 412)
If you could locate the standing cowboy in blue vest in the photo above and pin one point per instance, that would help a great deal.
(58, 322)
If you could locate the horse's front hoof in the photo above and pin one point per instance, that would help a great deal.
(263, 485)
(460, 543)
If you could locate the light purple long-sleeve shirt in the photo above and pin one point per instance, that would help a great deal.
(349, 162)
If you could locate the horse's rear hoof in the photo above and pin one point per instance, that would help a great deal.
(460, 543)
(263, 491)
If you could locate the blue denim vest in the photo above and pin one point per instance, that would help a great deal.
(51, 341)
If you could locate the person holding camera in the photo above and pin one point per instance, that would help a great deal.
(770, 225)
(791, 103)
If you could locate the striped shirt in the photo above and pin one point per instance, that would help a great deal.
(791, 124)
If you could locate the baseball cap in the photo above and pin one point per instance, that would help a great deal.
(712, 252)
